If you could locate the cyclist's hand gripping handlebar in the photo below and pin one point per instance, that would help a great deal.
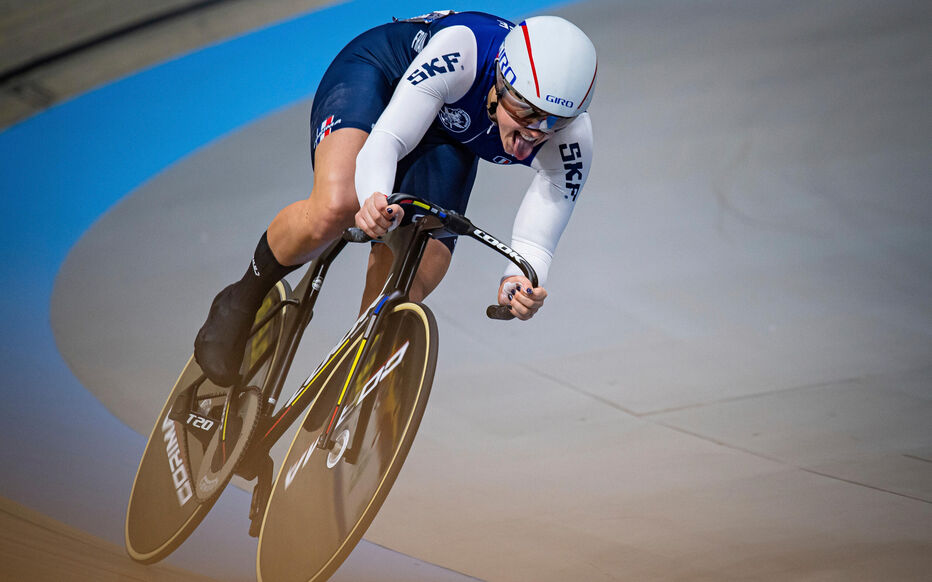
(503, 312)
(357, 235)
(455, 224)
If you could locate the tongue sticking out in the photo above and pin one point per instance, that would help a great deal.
(522, 147)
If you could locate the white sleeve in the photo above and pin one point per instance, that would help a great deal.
(562, 166)
(442, 73)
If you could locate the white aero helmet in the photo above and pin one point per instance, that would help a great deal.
(550, 65)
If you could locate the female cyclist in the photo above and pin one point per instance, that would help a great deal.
(411, 106)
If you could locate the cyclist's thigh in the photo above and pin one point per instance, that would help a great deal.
(359, 83)
(334, 186)
(301, 229)
(351, 96)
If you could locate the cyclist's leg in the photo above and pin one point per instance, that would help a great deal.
(294, 237)
(433, 267)
(349, 100)
(301, 230)
(441, 171)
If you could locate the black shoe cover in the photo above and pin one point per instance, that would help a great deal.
(221, 341)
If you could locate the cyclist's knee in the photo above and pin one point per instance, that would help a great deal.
(331, 209)
(333, 203)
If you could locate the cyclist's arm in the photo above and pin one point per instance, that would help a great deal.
(562, 166)
(441, 73)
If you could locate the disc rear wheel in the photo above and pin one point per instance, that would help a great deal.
(199, 437)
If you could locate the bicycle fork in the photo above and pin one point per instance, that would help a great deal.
(326, 440)
(404, 269)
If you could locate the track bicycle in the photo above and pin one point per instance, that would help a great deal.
(364, 403)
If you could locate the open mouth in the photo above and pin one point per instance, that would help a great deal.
(523, 144)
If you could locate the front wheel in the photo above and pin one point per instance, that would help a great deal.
(324, 500)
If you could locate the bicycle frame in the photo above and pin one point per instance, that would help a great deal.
(236, 427)
(408, 245)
